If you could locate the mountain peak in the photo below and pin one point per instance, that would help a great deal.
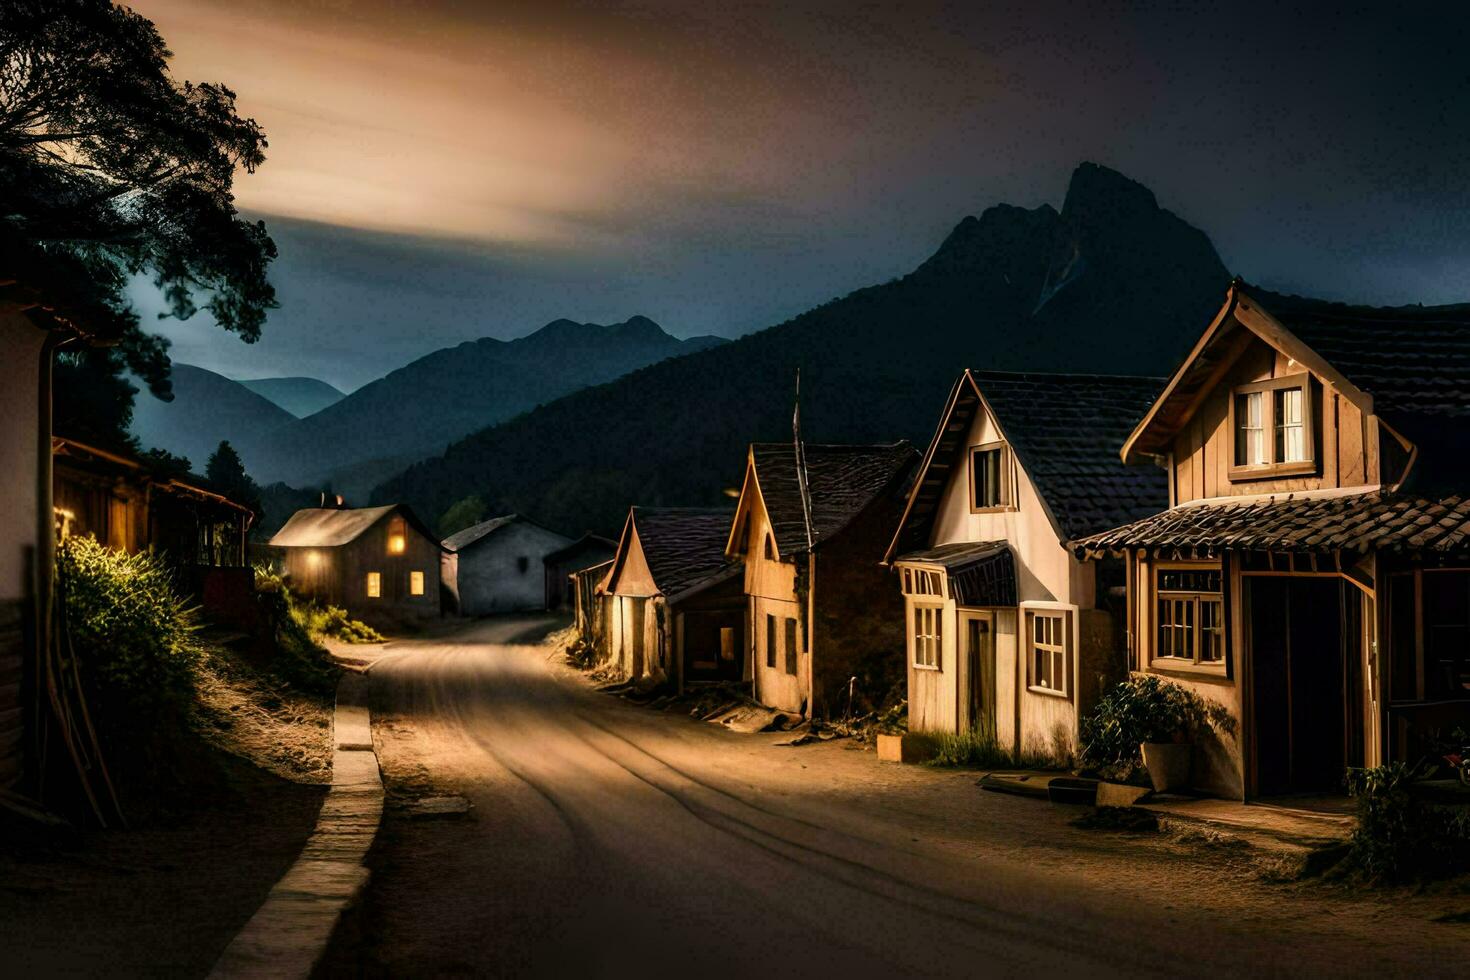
(1096, 191)
(992, 241)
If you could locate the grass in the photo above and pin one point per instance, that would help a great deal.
(978, 750)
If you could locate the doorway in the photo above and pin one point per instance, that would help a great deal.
(977, 635)
(1304, 656)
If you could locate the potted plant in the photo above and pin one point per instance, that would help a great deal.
(1148, 725)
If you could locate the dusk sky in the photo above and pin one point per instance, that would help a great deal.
(440, 170)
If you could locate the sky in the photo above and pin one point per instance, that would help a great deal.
(442, 170)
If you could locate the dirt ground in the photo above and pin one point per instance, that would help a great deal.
(265, 721)
(611, 840)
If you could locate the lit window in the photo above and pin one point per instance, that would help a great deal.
(397, 536)
(1047, 666)
(1190, 609)
(727, 643)
(375, 585)
(415, 583)
(988, 477)
(1272, 426)
(928, 636)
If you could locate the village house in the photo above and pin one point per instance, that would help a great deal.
(1008, 633)
(586, 552)
(674, 607)
(381, 564)
(821, 612)
(1312, 572)
(499, 566)
(128, 506)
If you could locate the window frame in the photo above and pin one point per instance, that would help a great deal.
(1007, 494)
(374, 585)
(933, 579)
(1274, 467)
(1067, 615)
(932, 642)
(1197, 598)
(417, 583)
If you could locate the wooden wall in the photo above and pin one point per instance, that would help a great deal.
(339, 575)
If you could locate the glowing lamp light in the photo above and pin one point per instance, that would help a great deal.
(314, 559)
(396, 544)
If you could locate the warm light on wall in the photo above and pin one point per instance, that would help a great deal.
(396, 544)
(313, 559)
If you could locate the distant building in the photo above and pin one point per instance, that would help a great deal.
(499, 566)
(588, 550)
(1009, 634)
(674, 606)
(379, 563)
(821, 610)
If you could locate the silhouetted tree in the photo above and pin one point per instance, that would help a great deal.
(226, 472)
(110, 169)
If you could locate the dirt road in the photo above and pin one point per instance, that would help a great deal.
(611, 840)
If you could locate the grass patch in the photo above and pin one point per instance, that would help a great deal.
(978, 750)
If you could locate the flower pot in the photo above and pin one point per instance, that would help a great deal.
(1167, 764)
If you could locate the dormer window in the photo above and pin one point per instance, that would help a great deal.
(989, 478)
(1271, 423)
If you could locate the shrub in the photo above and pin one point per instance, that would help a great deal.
(134, 634)
(1144, 709)
(978, 750)
(1400, 837)
(295, 656)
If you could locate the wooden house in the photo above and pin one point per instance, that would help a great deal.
(1009, 633)
(674, 605)
(820, 607)
(499, 566)
(381, 564)
(561, 565)
(1312, 572)
(130, 506)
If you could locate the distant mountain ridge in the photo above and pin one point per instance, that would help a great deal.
(299, 396)
(1111, 283)
(206, 409)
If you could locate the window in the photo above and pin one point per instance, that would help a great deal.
(790, 646)
(1446, 635)
(1272, 426)
(922, 581)
(727, 643)
(1047, 668)
(523, 563)
(988, 477)
(1190, 616)
(415, 583)
(397, 536)
(770, 548)
(770, 640)
(374, 585)
(928, 636)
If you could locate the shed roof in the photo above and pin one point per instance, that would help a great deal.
(330, 527)
(1358, 522)
(1065, 431)
(842, 481)
(589, 542)
(475, 533)
(682, 546)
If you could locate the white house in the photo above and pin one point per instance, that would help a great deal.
(499, 566)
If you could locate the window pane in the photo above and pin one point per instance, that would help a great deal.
(374, 585)
(985, 464)
(1212, 634)
(1291, 444)
(1250, 432)
(790, 646)
(415, 583)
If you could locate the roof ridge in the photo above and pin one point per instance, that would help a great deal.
(989, 373)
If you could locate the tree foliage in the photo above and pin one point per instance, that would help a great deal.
(110, 169)
(227, 472)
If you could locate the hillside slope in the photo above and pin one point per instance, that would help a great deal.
(207, 408)
(1110, 284)
(299, 396)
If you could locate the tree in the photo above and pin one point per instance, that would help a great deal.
(226, 472)
(110, 169)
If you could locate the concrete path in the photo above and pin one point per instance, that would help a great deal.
(287, 936)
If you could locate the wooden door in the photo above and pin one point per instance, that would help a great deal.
(977, 633)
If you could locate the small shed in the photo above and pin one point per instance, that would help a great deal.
(588, 550)
(379, 563)
(499, 566)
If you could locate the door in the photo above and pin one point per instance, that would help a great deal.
(1303, 650)
(978, 635)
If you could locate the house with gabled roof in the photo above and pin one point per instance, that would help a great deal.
(1312, 572)
(1008, 633)
(499, 566)
(381, 564)
(672, 600)
(821, 615)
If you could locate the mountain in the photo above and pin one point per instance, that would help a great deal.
(1110, 284)
(299, 396)
(419, 409)
(207, 408)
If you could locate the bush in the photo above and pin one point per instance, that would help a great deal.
(133, 632)
(1399, 837)
(295, 656)
(1144, 709)
(977, 750)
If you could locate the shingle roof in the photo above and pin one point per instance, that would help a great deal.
(326, 527)
(842, 479)
(460, 540)
(683, 546)
(588, 542)
(1360, 522)
(981, 573)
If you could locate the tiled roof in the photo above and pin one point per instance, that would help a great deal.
(327, 527)
(981, 573)
(1066, 431)
(1359, 522)
(842, 479)
(958, 554)
(683, 546)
